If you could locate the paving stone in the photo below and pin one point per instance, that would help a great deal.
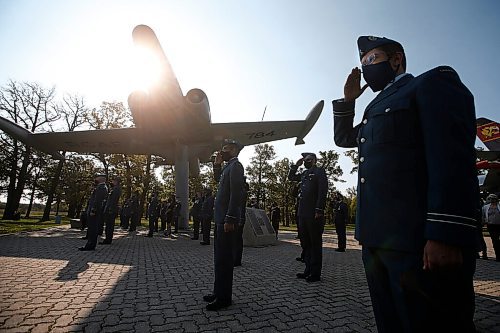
(142, 284)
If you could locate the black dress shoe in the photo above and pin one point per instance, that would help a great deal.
(149, 235)
(237, 264)
(299, 259)
(85, 237)
(217, 305)
(105, 242)
(312, 278)
(194, 238)
(204, 243)
(209, 298)
(83, 248)
(302, 276)
(339, 250)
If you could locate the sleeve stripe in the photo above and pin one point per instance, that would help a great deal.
(452, 216)
(451, 222)
(343, 115)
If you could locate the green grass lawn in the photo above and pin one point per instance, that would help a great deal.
(31, 224)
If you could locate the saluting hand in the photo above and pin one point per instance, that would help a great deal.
(218, 158)
(440, 256)
(352, 87)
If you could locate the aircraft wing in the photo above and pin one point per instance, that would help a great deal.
(258, 132)
(108, 141)
(252, 133)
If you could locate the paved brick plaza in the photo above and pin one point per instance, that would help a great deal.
(141, 284)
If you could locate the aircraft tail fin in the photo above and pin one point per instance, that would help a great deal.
(311, 119)
(488, 131)
(20, 133)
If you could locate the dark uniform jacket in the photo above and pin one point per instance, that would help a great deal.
(112, 202)
(207, 208)
(417, 178)
(229, 197)
(341, 212)
(312, 192)
(96, 201)
(154, 208)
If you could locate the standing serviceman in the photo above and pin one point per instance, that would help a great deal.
(196, 214)
(134, 211)
(341, 217)
(227, 214)
(153, 214)
(312, 201)
(95, 212)
(275, 218)
(111, 210)
(207, 215)
(417, 190)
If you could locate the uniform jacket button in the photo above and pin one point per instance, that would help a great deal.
(388, 109)
(365, 121)
(361, 159)
(362, 140)
(362, 180)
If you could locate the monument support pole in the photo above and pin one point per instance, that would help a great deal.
(182, 183)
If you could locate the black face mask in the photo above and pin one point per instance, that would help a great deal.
(308, 165)
(226, 156)
(378, 75)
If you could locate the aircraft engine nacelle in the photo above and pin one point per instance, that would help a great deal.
(198, 109)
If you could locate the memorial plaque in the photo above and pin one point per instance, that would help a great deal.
(258, 230)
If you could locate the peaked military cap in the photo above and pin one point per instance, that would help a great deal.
(304, 155)
(367, 43)
(233, 142)
(100, 175)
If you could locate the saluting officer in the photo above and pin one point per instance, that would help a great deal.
(417, 190)
(312, 201)
(111, 210)
(95, 212)
(227, 214)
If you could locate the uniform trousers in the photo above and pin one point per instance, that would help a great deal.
(196, 227)
(238, 248)
(109, 220)
(341, 234)
(92, 231)
(224, 244)
(406, 298)
(312, 240)
(206, 227)
(494, 231)
(134, 220)
(153, 224)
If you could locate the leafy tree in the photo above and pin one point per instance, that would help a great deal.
(260, 170)
(30, 106)
(329, 161)
(351, 203)
(282, 188)
(74, 113)
(353, 154)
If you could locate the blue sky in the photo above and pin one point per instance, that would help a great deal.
(285, 54)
